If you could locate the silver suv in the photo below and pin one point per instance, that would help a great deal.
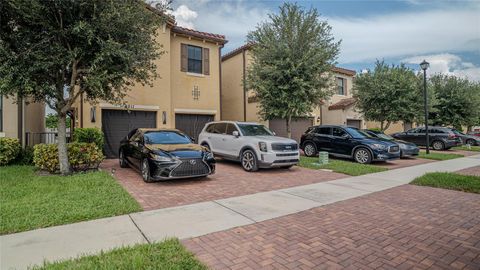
(254, 145)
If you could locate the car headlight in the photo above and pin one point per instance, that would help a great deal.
(209, 155)
(262, 146)
(379, 146)
(161, 158)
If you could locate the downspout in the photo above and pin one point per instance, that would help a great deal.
(20, 121)
(220, 79)
(81, 110)
(244, 87)
(321, 114)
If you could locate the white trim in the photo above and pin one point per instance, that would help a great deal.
(195, 74)
(129, 106)
(194, 111)
(2, 134)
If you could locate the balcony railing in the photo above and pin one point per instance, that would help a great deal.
(33, 138)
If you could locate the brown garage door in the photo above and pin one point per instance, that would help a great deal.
(192, 124)
(299, 126)
(117, 123)
(354, 123)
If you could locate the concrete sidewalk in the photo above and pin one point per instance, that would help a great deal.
(20, 250)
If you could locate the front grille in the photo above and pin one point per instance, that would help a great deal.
(393, 149)
(287, 155)
(286, 161)
(284, 146)
(190, 167)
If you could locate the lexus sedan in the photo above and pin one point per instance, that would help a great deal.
(347, 142)
(163, 154)
(407, 149)
(441, 138)
(467, 138)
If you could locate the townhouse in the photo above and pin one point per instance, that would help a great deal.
(186, 94)
(240, 104)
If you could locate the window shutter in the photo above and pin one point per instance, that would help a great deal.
(206, 61)
(184, 58)
(344, 86)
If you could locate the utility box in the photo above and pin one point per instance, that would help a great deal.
(323, 158)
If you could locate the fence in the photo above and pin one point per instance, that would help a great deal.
(33, 138)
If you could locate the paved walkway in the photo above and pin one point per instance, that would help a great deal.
(23, 249)
(404, 227)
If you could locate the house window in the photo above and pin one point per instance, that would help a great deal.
(194, 59)
(340, 86)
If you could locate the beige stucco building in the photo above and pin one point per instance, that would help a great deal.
(239, 104)
(21, 119)
(185, 95)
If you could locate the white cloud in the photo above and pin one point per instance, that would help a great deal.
(447, 63)
(185, 16)
(410, 33)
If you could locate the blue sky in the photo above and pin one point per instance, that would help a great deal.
(445, 33)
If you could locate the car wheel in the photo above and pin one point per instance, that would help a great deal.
(310, 150)
(122, 160)
(362, 156)
(470, 141)
(146, 171)
(438, 145)
(249, 161)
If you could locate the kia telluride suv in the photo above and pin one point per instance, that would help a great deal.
(252, 144)
(348, 142)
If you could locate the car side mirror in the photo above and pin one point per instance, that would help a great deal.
(235, 133)
(274, 134)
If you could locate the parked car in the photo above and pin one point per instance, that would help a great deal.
(162, 154)
(440, 138)
(466, 138)
(474, 133)
(347, 142)
(407, 149)
(253, 144)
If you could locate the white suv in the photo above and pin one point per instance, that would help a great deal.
(254, 145)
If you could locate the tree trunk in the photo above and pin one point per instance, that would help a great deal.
(62, 145)
(386, 126)
(381, 125)
(289, 129)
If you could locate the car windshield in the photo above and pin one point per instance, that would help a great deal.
(356, 133)
(166, 137)
(254, 130)
(457, 132)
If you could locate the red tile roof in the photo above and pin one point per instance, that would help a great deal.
(345, 71)
(203, 35)
(342, 104)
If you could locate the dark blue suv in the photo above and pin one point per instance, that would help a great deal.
(347, 142)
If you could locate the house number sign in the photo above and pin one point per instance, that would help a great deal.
(195, 93)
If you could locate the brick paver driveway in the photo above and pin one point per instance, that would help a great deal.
(408, 227)
(470, 171)
(230, 180)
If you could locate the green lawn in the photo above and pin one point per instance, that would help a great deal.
(341, 166)
(449, 181)
(29, 201)
(465, 148)
(169, 254)
(438, 156)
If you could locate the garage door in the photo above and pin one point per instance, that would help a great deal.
(298, 127)
(117, 123)
(192, 124)
(354, 123)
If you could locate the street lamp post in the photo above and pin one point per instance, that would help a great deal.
(424, 65)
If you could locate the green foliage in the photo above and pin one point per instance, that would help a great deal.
(293, 53)
(25, 157)
(9, 150)
(457, 101)
(438, 156)
(376, 129)
(89, 135)
(82, 156)
(54, 51)
(389, 94)
(341, 166)
(30, 201)
(51, 121)
(466, 183)
(169, 254)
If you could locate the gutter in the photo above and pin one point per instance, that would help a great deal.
(244, 87)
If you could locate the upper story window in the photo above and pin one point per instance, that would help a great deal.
(195, 59)
(341, 89)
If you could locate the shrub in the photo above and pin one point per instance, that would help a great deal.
(376, 129)
(25, 157)
(9, 150)
(82, 156)
(89, 135)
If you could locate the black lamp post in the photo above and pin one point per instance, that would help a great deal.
(424, 65)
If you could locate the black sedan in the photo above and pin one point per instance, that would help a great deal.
(407, 149)
(466, 138)
(163, 154)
